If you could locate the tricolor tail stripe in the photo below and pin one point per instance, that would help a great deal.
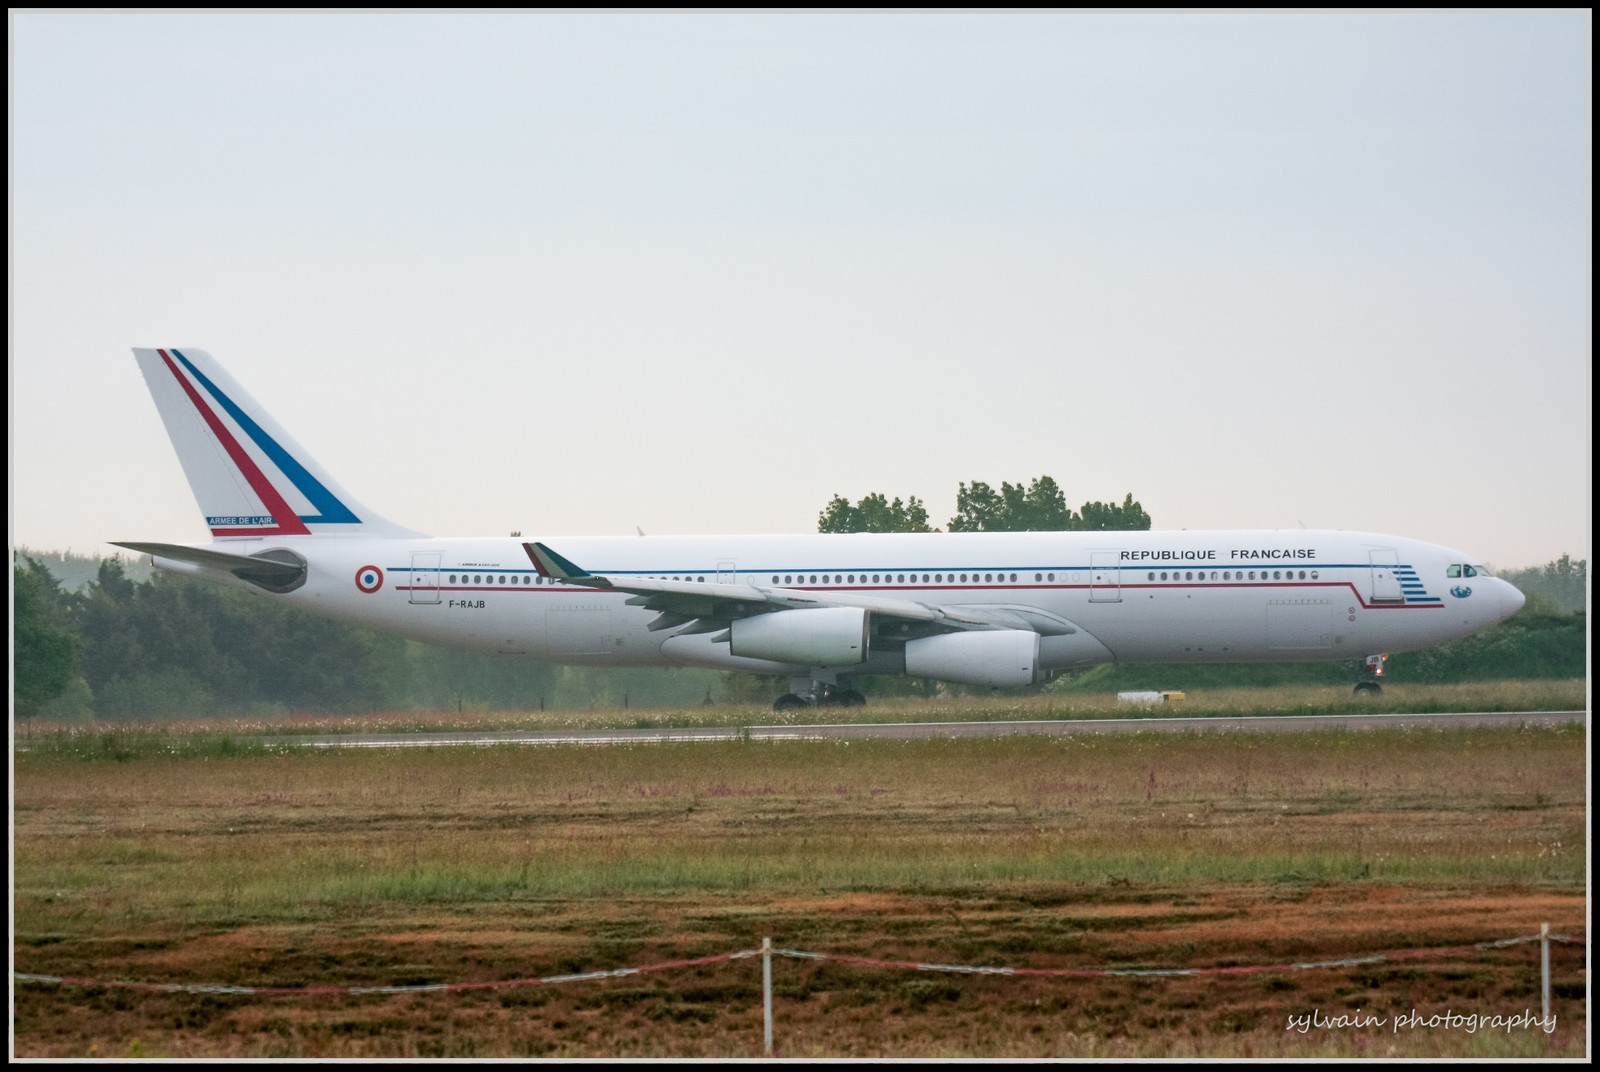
(250, 478)
(327, 508)
(286, 522)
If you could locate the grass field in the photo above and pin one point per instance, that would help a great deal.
(1554, 695)
(212, 861)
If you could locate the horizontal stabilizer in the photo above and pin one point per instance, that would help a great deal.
(276, 571)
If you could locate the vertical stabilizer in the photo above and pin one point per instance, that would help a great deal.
(249, 476)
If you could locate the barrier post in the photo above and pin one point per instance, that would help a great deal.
(1544, 968)
(766, 990)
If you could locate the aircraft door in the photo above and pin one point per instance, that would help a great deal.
(727, 573)
(425, 576)
(1105, 579)
(1385, 581)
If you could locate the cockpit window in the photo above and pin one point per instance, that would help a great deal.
(1477, 571)
(1454, 570)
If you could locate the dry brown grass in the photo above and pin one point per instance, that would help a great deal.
(385, 867)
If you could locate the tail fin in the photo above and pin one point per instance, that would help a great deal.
(250, 478)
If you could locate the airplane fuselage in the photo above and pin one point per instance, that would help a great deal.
(1219, 596)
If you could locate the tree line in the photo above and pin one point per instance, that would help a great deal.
(1558, 587)
(172, 646)
(1039, 506)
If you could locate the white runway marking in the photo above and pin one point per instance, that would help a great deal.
(925, 730)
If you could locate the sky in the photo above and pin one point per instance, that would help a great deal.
(578, 274)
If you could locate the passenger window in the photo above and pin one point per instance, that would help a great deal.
(1051, 576)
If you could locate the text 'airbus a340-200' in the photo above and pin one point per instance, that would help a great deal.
(990, 609)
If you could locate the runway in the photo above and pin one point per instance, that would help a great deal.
(926, 730)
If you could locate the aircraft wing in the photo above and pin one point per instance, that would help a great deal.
(681, 602)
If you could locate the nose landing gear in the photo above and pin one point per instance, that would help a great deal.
(1371, 671)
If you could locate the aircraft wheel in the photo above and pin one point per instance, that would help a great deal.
(788, 702)
(850, 698)
(1365, 689)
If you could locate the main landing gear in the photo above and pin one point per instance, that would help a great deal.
(1369, 685)
(809, 692)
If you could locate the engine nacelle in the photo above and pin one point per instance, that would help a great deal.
(999, 658)
(827, 636)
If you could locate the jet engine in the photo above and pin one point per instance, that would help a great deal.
(998, 658)
(827, 636)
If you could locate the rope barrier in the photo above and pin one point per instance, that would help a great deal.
(420, 988)
(1103, 973)
(794, 954)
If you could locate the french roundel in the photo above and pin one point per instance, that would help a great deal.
(369, 579)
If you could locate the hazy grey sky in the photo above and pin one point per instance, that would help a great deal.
(574, 273)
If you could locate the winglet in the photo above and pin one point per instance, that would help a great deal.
(550, 564)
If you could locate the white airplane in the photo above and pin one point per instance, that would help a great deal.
(989, 609)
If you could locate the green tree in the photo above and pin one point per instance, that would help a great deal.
(1560, 586)
(45, 649)
(875, 513)
(1041, 506)
(177, 646)
(1037, 507)
(1109, 517)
